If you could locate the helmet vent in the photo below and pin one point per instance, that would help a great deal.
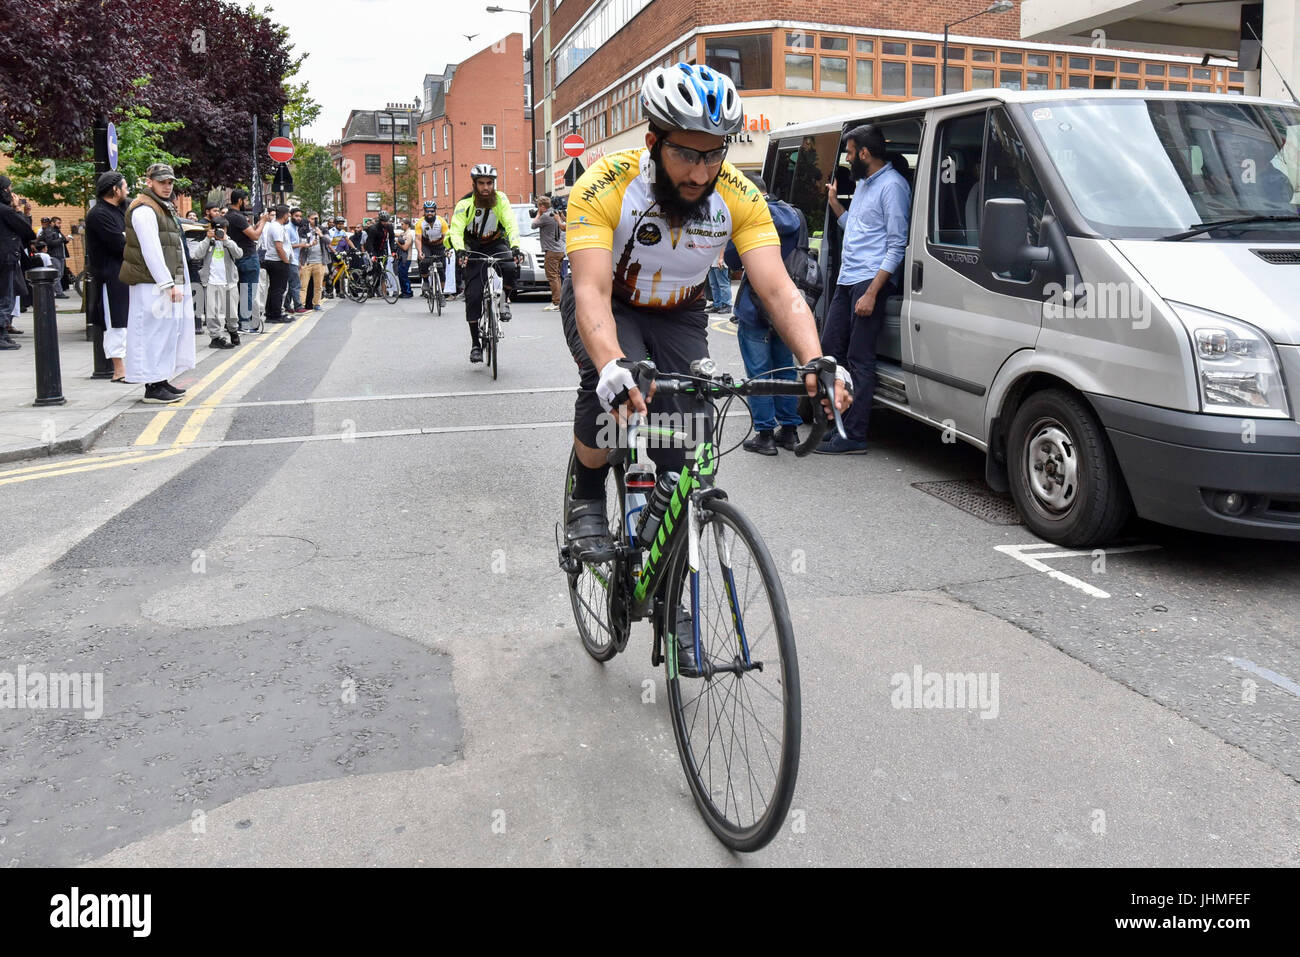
(686, 92)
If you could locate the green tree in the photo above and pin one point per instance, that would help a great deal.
(300, 110)
(50, 182)
(314, 176)
(408, 183)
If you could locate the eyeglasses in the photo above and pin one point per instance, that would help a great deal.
(691, 157)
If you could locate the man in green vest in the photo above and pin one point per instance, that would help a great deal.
(160, 322)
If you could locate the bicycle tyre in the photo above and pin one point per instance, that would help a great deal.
(701, 769)
(438, 296)
(428, 294)
(585, 614)
(389, 288)
(485, 327)
(356, 290)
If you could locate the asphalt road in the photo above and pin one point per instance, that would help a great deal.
(331, 630)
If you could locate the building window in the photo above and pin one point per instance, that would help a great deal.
(982, 56)
(528, 96)
(1036, 81)
(1155, 69)
(403, 124)
(446, 180)
(799, 41)
(372, 163)
(1179, 72)
(446, 128)
(893, 77)
(981, 79)
(424, 184)
(925, 50)
(403, 202)
(1106, 66)
(835, 43)
(434, 193)
(1128, 66)
(489, 136)
(956, 79)
(1010, 79)
(956, 53)
(866, 46)
(798, 71)
(1038, 59)
(865, 80)
(747, 60)
(1015, 59)
(922, 79)
(373, 201)
(401, 160)
(421, 142)
(893, 49)
(603, 19)
(1079, 83)
(834, 74)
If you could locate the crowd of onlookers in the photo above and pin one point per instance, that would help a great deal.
(22, 247)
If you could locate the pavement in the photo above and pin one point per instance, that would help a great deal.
(324, 601)
(30, 431)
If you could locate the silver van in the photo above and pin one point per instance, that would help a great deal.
(1101, 291)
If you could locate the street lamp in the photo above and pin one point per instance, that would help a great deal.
(999, 6)
(532, 76)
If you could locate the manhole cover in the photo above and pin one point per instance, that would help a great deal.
(974, 497)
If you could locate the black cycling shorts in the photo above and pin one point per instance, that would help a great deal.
(671, 338)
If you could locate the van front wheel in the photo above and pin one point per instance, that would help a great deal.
(1065, 479)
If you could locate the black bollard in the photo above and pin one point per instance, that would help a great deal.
(49, 378)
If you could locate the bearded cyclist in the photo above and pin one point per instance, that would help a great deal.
(431, 238)
(379, 242)
(483, 222)
(645, 225)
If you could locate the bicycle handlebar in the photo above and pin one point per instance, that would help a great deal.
(823, 367)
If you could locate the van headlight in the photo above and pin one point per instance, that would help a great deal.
(1237, 367)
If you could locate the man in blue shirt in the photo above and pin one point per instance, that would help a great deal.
(875, 239)
(761, 348)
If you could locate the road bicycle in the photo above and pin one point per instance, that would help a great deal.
(381, 279)
(489, 323)
(431, 283)
(347, 281)
(684, 556)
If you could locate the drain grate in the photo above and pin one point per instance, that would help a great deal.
(974, 497)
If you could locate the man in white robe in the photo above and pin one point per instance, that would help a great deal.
(160, 322)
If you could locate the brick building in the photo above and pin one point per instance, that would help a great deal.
(475, 112)
(364, 156)
(796, 60)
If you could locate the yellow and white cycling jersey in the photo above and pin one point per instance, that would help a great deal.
(612, 206)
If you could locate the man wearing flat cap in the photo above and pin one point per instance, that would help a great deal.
(160, 322)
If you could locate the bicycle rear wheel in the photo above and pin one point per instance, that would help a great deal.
(737, 731)
(589, 588)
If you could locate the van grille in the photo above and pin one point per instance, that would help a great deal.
(1279, 257)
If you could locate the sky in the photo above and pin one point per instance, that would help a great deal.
(364, 54)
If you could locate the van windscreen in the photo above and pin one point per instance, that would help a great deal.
(1141, 168)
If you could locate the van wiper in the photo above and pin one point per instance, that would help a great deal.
(1240, 221)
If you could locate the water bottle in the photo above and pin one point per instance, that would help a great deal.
(640, 482)
(652, 515)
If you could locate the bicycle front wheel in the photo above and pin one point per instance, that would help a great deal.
(389, 288)
(738, 728)
(356, 288)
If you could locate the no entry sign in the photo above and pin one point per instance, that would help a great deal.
(573, 145)
(280, 149)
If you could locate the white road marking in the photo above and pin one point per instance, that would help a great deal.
(348, 436)
(1272, 677)
(324, 400)
(1018, 552)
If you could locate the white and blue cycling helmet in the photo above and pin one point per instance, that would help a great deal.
(695, 98)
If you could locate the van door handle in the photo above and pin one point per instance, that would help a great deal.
(917, 276)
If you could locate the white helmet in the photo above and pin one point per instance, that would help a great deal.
(696, 98)
(483, 169)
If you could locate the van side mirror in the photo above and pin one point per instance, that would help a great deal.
(1003, 232)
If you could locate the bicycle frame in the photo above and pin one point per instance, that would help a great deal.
(695, 486)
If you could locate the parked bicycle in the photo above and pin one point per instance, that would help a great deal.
(684, 556)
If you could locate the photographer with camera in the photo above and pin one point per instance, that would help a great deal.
(550, 227)
(219, 279)
(311, 271)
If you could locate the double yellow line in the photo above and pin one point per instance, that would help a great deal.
(258, 349)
